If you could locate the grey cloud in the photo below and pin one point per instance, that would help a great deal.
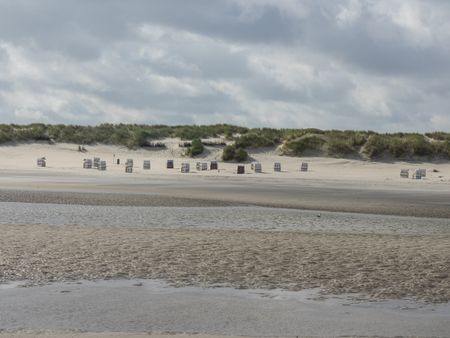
(312, 63)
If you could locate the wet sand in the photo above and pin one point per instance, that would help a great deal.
(53, 334)
(327, 195)
(50, 334)
(46, 334)
(107, 199)
(378, 266)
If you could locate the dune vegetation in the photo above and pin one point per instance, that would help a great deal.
(292, 142)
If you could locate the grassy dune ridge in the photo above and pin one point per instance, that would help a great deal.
(293, 142)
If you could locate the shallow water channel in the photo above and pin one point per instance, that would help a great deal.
(154, 306)
(245, 217)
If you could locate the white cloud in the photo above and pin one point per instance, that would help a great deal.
(286, 70)
(253, 9)
(348, 13)
(440, 122)
(409, 17)
(343, 64)
(17, 66)
(372, 100)
(23, 113)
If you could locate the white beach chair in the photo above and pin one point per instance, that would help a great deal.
(96, 162)
(417, 174)
(102, 165)
(87, 163)
(423, 172)
(257, 167)
(404, 173)
(185, 168)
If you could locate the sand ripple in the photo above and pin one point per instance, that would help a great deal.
(380, 266)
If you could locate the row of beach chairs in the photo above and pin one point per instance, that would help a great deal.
(129, 165)
(199, 166)
(97, 163)
(257, 167)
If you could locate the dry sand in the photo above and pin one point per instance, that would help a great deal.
(380, 266)
(66, 159)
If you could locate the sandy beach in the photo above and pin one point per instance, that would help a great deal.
(367, 265)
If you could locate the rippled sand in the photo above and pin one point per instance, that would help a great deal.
(380, 266)
(114, 334)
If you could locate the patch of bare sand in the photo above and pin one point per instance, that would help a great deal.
(380, 266)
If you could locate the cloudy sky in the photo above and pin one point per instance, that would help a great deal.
(345, 64)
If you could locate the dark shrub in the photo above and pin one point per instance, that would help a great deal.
(399, 147)
(338, 147)
(375, 146)
(240, 155)
(231, 153)
(228, 153)
(421, 146)
(196, 148)
(308, 142)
